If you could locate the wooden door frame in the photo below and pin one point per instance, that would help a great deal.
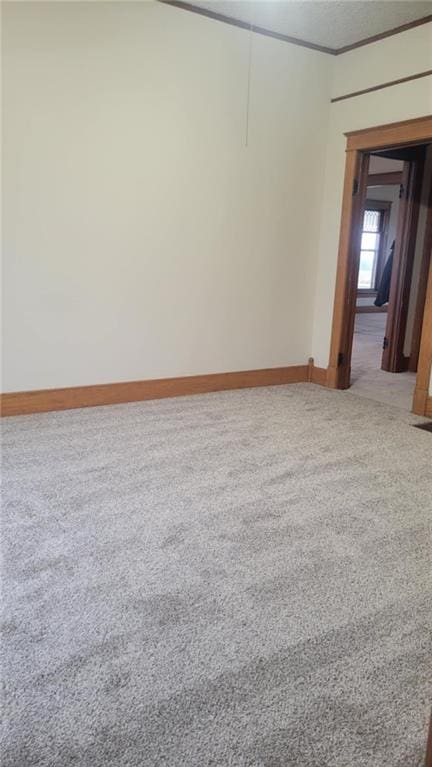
(428, 758)
(393, 358)
(359, 144)
(421, 290)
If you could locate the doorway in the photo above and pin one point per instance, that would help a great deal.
(404, 319)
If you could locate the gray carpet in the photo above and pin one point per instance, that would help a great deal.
(367, 378)
(232, 579)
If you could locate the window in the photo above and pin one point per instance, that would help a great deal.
(372, 244)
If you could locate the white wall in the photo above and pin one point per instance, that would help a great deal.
(141, 237)
(389, 59)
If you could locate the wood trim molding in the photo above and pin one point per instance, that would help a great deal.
(319, 376)
(407, 132)
(422, 399)
(185, 6)
(356, 167)
(245, 25)
(425, 265)
(342, 270)
(383, 35)
(393, 358)
(428, 757)
(44, 400)
(422, 402)
(385, 179)
(388, 84)
(371, 309)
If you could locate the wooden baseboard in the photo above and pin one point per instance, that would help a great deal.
(370, 309)
(318, 375)
(44, 400)
(428, 411)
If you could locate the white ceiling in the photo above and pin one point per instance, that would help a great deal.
(330, 23)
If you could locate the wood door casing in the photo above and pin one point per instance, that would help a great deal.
(428, 758)
(355, 187)
(422, 287)
(393, 359)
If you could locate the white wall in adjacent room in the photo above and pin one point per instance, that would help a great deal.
(141, 237)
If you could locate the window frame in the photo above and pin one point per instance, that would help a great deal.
(384, 207)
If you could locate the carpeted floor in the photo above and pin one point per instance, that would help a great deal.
(367, 378)
(235, 579)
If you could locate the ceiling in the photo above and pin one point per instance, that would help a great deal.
(328, 23)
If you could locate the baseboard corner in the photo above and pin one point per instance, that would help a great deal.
(317, 375)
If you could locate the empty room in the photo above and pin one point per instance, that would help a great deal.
(216, 383)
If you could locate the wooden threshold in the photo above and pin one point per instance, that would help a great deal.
(44, 400)
(371, 309)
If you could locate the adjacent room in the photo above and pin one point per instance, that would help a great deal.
(216, 383)
(396, 229)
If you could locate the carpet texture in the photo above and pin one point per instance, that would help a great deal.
(367, 378)
(241, 578)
